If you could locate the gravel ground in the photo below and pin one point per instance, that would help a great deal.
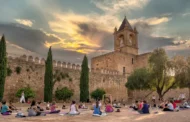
(126, 115)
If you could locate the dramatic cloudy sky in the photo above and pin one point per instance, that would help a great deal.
(77, 27)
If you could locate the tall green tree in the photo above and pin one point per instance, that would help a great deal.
(184, 75)
(162, 74)
(3, 65)
(48, 78)
(84, 81)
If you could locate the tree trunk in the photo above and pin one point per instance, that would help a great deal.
(160, 95)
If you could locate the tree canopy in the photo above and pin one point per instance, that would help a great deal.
(98, 94)
(161, 75)
(63, 93)
(139, 80)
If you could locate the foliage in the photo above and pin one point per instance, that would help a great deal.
(159, 75)
(139, 80)
(184, 75)
(3, 65)
(98, 94)
(63, 93)
(28, 92)
(84, 81)
(18, 69)
(48, 78)
(9, 71)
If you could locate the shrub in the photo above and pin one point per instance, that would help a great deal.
(63, 93)
(98, 94)
(18, 70)
(9, 71)
(28, 92)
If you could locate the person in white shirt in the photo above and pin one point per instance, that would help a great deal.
(169, 107)
(22, 99)
(73, 109)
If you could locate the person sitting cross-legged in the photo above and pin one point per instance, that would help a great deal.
(53, 108)
(34, 111)
(97, 110)
(73, 109)
(109, 108)
(169, 106)
(5, 109)
(145, 108)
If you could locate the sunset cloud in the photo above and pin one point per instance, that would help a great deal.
(151, 21)
(24, 22)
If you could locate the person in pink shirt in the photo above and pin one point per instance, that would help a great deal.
(53, 109)
(109, 108)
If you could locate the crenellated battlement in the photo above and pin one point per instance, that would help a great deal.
(60, 64)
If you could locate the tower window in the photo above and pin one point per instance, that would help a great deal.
(132, 61)
(123, 70)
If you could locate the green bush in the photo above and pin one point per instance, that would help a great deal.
(28, 92)
(98, 94)
(18, 70)
(63, 93)
(9, 71)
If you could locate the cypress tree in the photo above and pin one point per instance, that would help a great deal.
(48, 78)
(3, 66)
(84, 81)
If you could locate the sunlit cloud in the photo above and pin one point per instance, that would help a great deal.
(74, 26)
(179, 44)
(24, 22)
(116, 6)
(151, 21)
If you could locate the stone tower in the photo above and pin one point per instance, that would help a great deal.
(125, 58)
(125, 38)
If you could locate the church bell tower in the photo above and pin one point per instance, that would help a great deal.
(126, 38)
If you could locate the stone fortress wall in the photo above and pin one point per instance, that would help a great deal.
(32, 74)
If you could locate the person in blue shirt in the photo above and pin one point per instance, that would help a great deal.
(145, 108)
(97, 109)
(5, 109)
